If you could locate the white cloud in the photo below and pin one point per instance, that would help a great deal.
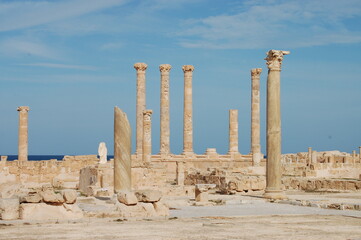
(20, 14)
(14, 47)
(57, 65)
(281, 24)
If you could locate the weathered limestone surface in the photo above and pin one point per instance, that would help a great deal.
(180, 173)
(126, 197)
(9, 208)
(147, 136)
(141, 104)
(273, 172)
(164, 109)
(43, 211)
(23, 133)
(188, 111)
(233, 132)
(122, 151)
(201, 192)
(88, 178)
(255, 117)
(102, 152)
(148, 196)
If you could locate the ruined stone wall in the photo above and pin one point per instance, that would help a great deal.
(60, 174)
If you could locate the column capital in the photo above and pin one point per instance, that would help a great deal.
(140, 66)
(165, 68)
(256, 72)
(23, 109)
(274, 59)
(188, 68)
(147, 114)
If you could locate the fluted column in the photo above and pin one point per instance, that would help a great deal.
(164, 109)
(188, 114)
(140, 67)
(147, 136)
(23, 133)
(274, 169)
(255, 117)
(122, 152)
(233, 131)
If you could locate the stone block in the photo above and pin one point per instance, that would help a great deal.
(148, 196)
(133, 211)
(202, 197)
(52, 197)
(161, 209)
(126, 197)
(43, 211)
(31, 198)
(9, 208)
(69, 196)
(148, 209)
(88, 177)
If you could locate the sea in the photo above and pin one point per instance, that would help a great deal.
(44, 157)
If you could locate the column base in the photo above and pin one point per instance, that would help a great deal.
(188, 154)
(275, 194)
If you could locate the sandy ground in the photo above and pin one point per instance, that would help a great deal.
(242, 217)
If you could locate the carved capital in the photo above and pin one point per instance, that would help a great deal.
(165, 68)
(140, 66)
(188, 68)
(256, 72)
(274, 59)
(23, 109)
(147, 114)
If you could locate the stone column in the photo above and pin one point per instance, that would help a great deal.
(233, 132)
(147, 136)
(23, 133)
(274, 169)
(140, 67)
(122, 152)
(180, 173)
(354, 156)
(314, 157)
(164, 109)
(309, 160)
(255, 117)
(188, 114)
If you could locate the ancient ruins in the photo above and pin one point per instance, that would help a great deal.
(138, 184)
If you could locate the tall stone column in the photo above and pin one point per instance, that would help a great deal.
(188, 112)
(309, 159)
(274, 169)
(255, 117)
(147, 136)
(23, 133)
(140, 67)
(233, 132)
(164, 109)
(122, 152)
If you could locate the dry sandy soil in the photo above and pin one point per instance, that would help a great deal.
(243, 218)
(248, 227)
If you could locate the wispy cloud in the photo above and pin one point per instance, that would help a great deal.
(111, 46)
(57, 65)
(18, 46)
(287, 24)
(23, 14)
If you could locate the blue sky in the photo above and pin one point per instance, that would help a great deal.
(72, 62)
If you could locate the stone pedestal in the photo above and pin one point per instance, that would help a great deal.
(122, 151)
(140, 67)
(164, 110)
(233, 132)
(255, 117)
(147, 136)
(188, 114)
(273, 168)
(23, 133)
